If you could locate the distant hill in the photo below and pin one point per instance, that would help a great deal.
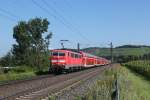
(120, 50)
(132, 46)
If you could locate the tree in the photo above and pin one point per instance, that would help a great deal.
(47, 38)
(7, 60)
(31, 43)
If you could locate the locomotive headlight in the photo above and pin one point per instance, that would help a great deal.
(58, 61)
(54, 61)
(61, 60)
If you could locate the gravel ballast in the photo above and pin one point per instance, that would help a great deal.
(78, 90)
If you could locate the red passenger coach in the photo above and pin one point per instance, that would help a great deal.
(88, 60)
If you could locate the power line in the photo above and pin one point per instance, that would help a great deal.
(47, 11)
(59, 19)
(14, 17)
(64, 19)
(8, 17)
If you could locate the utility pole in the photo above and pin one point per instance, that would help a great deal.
(78, 47)
(62, 43)
(111, 52)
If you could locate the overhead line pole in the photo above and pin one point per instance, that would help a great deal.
(78, 47)
(111, 52)
(62, 43)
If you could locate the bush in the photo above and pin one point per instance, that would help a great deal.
(21, 69)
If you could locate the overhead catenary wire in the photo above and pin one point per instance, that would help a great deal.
(72, 26)
(48, 12)
(60, 19)
(7, 17)
(9, 14)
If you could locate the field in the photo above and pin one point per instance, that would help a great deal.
(131, 86)
(141, 67)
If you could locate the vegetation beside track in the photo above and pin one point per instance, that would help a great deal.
(131, 86)
(13, 76)
(142, 67)
(19, 73)
(31, 47)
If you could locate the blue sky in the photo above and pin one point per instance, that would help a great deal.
(89, 22)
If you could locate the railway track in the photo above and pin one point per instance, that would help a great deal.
(42, 87)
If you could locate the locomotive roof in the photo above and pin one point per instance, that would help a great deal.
(73, 50)
(90, 55)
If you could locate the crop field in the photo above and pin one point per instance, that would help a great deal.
(142, 67)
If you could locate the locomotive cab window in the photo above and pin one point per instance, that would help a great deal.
(58, 54)
(61, 54)
(55, 53)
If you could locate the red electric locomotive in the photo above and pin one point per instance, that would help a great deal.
(65, 60)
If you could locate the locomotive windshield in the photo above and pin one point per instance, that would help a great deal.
(58, 54)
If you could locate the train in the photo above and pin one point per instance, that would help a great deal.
(66, 60)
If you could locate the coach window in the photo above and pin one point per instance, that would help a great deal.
(76, 55)
(79, 56)
(72, 55)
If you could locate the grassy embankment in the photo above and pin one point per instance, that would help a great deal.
(18, 73)
(132, 86)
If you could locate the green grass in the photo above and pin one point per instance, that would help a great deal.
(138, 86)
(19, 73)
(132, 86)
(103, 87)
(15, 76)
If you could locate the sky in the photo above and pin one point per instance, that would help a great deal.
(88, 22)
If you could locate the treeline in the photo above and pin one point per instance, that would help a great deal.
(32, 42)
(132, 46)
